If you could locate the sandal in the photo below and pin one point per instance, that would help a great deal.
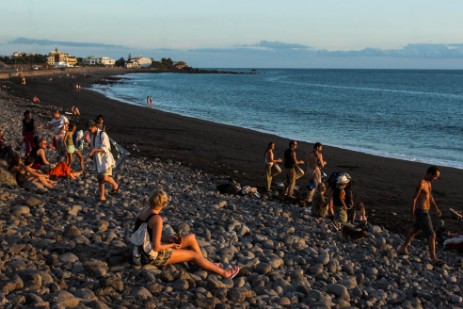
(235, 271)
(438, 262)
(218, 265)
(114, 191)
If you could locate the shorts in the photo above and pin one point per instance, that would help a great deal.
(106, 172)
(70, 149)
(340, 215)
(162, 258)
(423, 222)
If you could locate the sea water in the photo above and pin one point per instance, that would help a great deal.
(414, 115)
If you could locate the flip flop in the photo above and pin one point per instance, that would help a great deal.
(114, 192)
(218, 265)
(236, 270)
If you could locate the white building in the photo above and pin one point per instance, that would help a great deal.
(139, 62)
(105, 61)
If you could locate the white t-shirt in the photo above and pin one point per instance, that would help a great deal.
(58, 124)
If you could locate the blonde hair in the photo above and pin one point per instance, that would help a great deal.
(157, 199)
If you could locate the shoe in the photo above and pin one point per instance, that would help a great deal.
(114, 192)
(236, 270)
(438, 262)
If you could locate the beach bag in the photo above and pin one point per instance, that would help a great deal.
(78, 138)
(143, 246)
(118, 152)
(455, 243)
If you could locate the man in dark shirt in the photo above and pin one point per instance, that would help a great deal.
(293, 172)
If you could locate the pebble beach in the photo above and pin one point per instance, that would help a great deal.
(63, 249)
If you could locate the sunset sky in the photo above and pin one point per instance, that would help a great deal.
(253, 33)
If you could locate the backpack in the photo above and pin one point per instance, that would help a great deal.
(78, 139)
(143, 248)
(113, 147)
(332, 183)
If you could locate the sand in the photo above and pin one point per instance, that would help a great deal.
(385, 185)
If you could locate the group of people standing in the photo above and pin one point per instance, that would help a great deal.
(333, 197)
(293, 170)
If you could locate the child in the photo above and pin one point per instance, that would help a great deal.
(70, 148)
(26, 175)
(359, 218)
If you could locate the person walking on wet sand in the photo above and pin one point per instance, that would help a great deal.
(422, 202)
(271, 164)
(316, 163)
(293, 172)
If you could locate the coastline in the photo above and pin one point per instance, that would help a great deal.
(385, 185)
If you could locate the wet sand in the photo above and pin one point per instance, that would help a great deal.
(385, 185)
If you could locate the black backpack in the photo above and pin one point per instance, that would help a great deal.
(333, 182)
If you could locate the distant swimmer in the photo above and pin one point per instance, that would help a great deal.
(149, 101)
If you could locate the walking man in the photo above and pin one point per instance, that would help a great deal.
(316, 163)
(293, 172)
(422, 203)
(102, 158)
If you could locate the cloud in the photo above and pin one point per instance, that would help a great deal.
(427, 51)
(276, 45)
(27, 41)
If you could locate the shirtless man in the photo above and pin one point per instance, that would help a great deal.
(422, 203)
(316, 163)
(292, 171)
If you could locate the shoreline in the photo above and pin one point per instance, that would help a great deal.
(385, 185)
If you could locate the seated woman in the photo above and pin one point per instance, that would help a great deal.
(40, 158)
(172, 250)
(359, 219)
(26, 175)
(321, 206)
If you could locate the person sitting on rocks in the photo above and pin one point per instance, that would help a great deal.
(75, 110)
(28, 177)
(175, 249)
(35, 99)
(6, 151)
(359, 219)
(321, 205)
(40, 157)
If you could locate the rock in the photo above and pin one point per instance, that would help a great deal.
(456, 299)
(263, 268)
(102, 225)
(13, 284)
(21, 210)
(74, 210)
(72, 231)
(142, 293)
(34, 202)
(284, 301)
(338, 290)
(68, 257)
(276, 262)
(96, 267)
(238, 295)
(7, 179)
(114, 282)
(181, 285)
(64, 299)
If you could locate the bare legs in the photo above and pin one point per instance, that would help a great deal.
(431, 244)
(79, 155)
(195, 256)
(101, 182)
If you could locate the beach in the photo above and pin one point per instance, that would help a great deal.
(61, 248)
(385, 185)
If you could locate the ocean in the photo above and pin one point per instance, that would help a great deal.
(414, 115)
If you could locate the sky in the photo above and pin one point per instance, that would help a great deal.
(392, 34)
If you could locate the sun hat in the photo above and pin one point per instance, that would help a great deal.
(342, 180)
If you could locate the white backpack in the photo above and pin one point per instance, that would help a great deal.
(142, 243)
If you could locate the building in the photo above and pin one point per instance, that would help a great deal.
(138, 62)
(181, 65)
(99, 61)
(59, 59)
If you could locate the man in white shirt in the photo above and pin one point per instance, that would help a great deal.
(59, 125)
(103, 159)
